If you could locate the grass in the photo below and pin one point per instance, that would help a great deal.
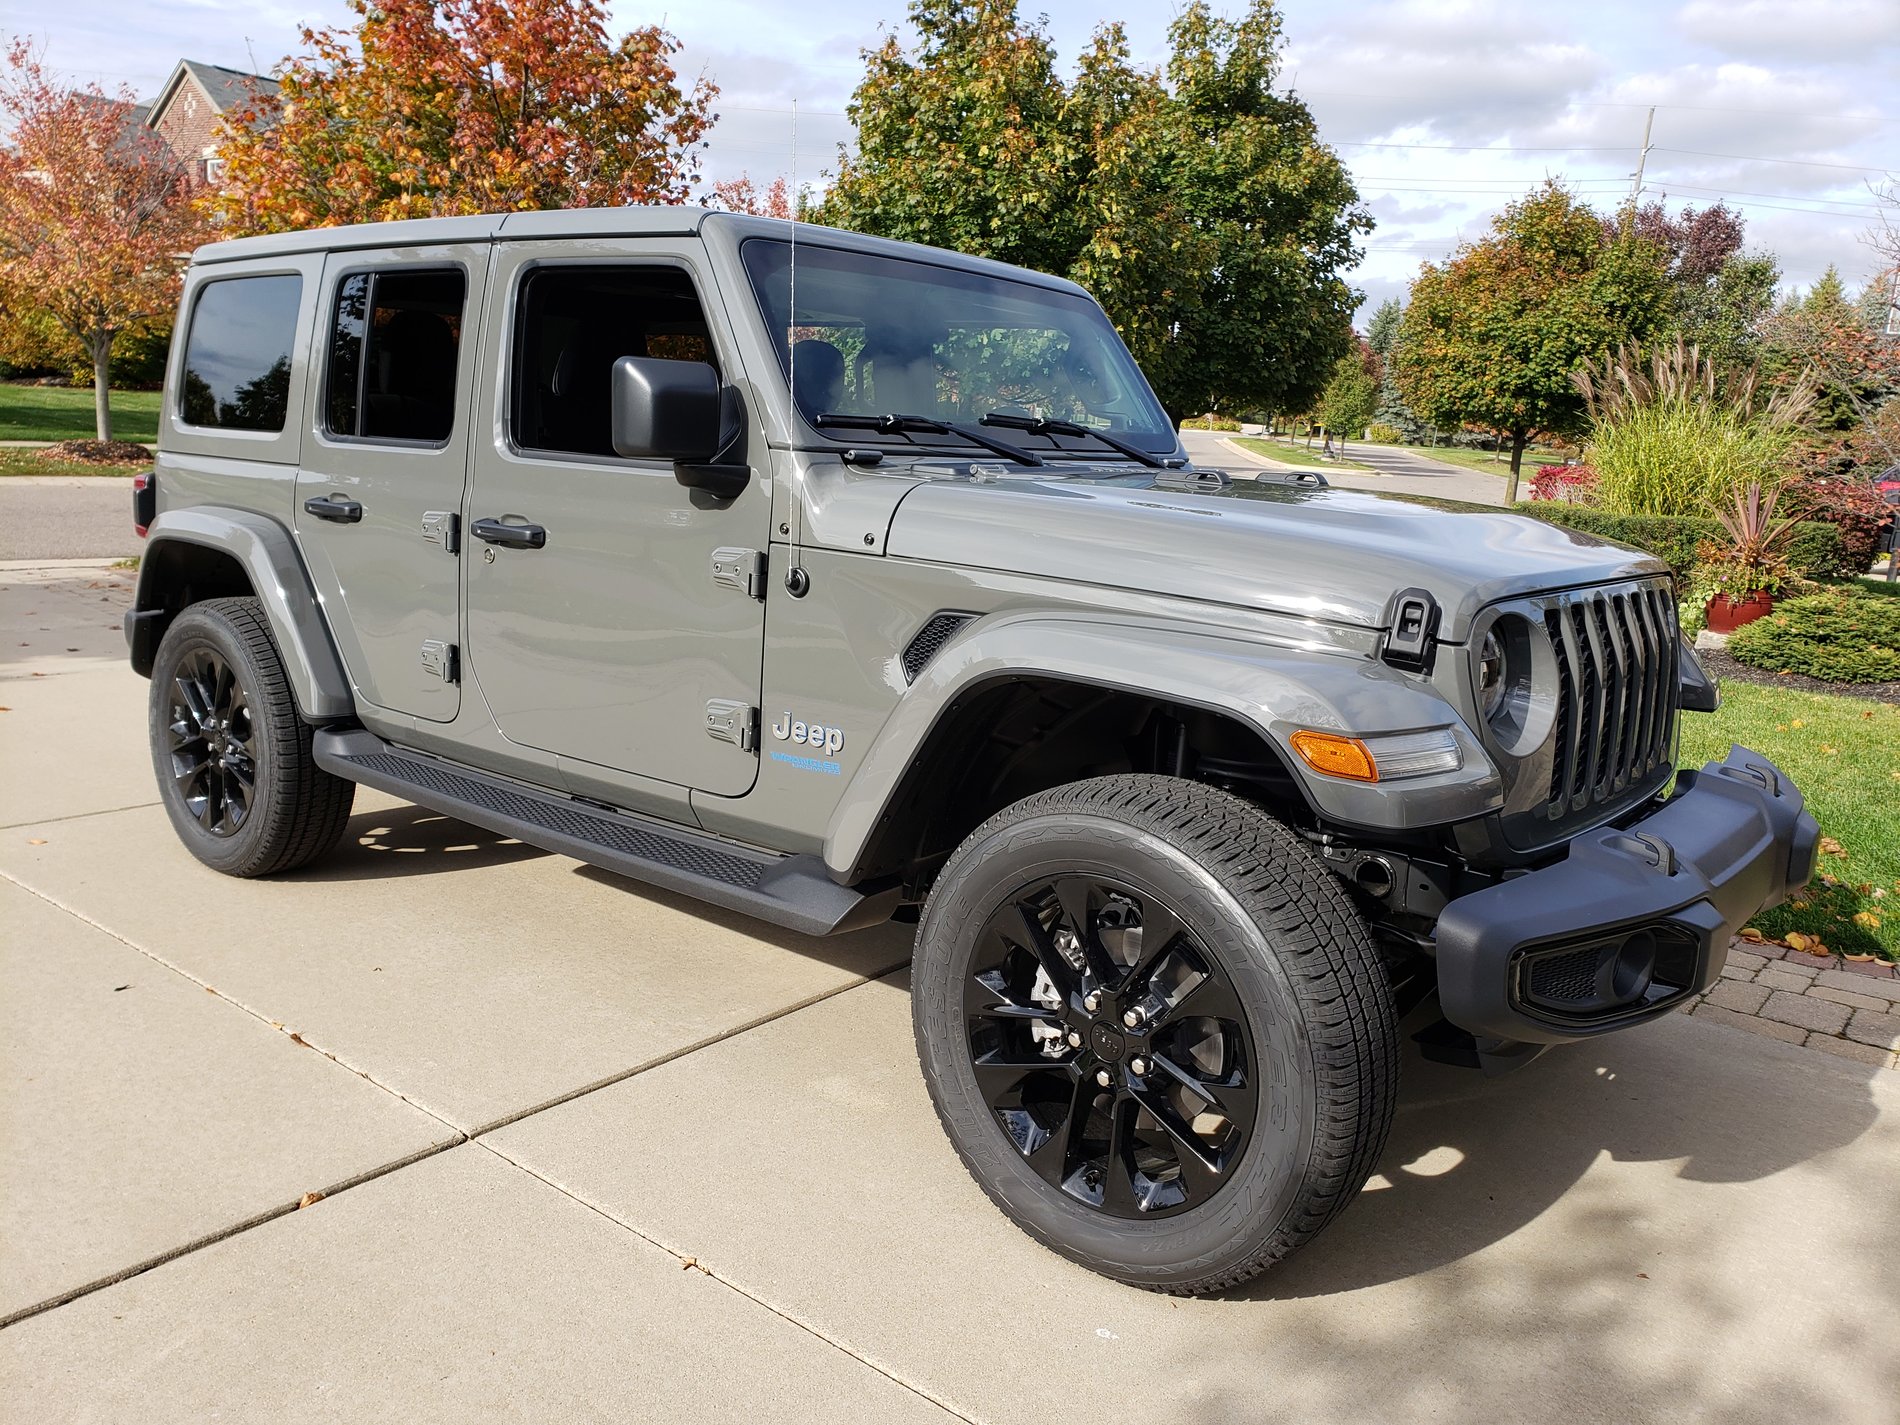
(1288, 454)
(1844, 754)
(50, 413)
(1485, 460)
(18, 460)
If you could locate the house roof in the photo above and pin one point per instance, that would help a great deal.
(227, 89)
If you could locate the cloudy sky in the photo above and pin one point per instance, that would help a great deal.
(1444, 109)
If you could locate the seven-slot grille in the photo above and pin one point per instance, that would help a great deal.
(1616, 708)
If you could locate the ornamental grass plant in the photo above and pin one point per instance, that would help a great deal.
(1668, 438)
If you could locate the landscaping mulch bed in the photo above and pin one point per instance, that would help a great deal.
(1721, 665)
(96, 452)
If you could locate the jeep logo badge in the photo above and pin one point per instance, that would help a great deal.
(808, 734)
(1107, 1042)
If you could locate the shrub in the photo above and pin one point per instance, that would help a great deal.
(1382, 434)
(1210, 423)
(1836, 636)
(1813, 553)
(1572, 484)
(1852, 506)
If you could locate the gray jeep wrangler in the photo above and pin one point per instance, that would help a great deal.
(835, 580)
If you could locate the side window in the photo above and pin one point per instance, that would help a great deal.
(571, 325)
(237, 354)
(393, 343)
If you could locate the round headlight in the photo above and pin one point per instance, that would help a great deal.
(1492, 683)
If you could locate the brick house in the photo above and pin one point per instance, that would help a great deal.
(188, 110)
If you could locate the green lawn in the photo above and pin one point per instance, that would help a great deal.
(65, 413)
(1291, 454)
(1844, 754)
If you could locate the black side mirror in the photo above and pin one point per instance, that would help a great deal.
(679, 411)
(665, 410)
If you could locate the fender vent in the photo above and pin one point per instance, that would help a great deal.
(929, 642)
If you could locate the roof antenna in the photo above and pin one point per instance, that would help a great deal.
(791, 310)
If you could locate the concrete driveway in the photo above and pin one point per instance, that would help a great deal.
(572, 1149)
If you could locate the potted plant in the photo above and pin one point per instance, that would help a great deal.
(1739, 582)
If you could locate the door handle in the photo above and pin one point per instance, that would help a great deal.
(514, 536)
(333, 508)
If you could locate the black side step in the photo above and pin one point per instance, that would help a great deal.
(792, 891)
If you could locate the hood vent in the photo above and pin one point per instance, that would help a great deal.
(929, 642)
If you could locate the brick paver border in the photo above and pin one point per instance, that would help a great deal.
(1846, 1008)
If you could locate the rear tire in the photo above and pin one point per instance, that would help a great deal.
(1283, 1041)
(232, 757)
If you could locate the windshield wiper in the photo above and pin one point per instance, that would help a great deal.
(1053, 427)
(926, 425)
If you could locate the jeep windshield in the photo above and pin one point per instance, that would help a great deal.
(875, 336)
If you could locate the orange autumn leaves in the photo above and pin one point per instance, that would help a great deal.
(430, 108)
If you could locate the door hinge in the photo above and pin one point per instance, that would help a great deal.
(730, 721)
(741, 569)
(443, 527)
(440, 660)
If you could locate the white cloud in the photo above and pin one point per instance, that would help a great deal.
(1780, 30)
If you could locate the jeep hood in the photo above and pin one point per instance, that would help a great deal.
(1328, 553)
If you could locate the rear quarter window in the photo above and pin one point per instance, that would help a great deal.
(237, 353)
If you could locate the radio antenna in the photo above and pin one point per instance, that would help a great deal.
(791, 309)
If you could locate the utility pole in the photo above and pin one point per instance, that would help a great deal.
(1642, 159)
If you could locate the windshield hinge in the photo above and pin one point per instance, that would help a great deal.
(1412, 631)
(728, 720)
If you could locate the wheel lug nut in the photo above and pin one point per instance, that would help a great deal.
(1075, 1039)
(1102, 1078)
(1092, 1001)
(1138, 1066)
(1133, 1018)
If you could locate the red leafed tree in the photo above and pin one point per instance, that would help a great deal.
(94, 213)
(432, 107)
(742, 195)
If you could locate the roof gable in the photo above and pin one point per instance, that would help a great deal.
(223, 89)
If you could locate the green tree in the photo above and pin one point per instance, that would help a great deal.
(1199, 206)
(1350, 394)
(1382, 335)
(1492, 337)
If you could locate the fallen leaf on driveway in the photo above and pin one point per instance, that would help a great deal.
(309, 1199)
(296, 1038)
(36, 841)
(1751, 935)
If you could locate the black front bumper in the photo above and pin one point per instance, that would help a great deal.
(1635, 919)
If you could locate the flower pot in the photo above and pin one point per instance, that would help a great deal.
(1725, 615)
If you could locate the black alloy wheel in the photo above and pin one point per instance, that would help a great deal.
(1111, 1046)
(212, 742)
(232, 757)
(1155, 1028)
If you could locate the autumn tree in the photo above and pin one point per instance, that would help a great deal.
(1197, 203)
(95, 217)
(431, 107)
(742, 195)
(1719, 294)
(1492, 336)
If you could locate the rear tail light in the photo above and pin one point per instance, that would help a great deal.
(144, 501)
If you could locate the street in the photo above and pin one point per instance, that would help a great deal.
(66, 517)
(568, 1147)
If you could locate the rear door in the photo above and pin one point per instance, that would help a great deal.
(612, 629)
(379, 492)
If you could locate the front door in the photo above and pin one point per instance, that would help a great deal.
(596, 626)
(383, 472)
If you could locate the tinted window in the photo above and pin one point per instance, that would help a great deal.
(237, 357)
(393, 341)
(573, 324)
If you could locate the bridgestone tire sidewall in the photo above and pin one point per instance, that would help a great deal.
(199, 627)
(1249, 1209)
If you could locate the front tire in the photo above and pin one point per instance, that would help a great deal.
(232, 757)
(1155, 1029)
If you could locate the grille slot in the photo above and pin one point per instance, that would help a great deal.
(1616, 706)
(929, 642)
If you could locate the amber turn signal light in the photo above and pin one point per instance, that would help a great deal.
(1336, 756)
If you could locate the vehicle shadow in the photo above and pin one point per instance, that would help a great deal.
(1472, 1160)
(410, 840)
